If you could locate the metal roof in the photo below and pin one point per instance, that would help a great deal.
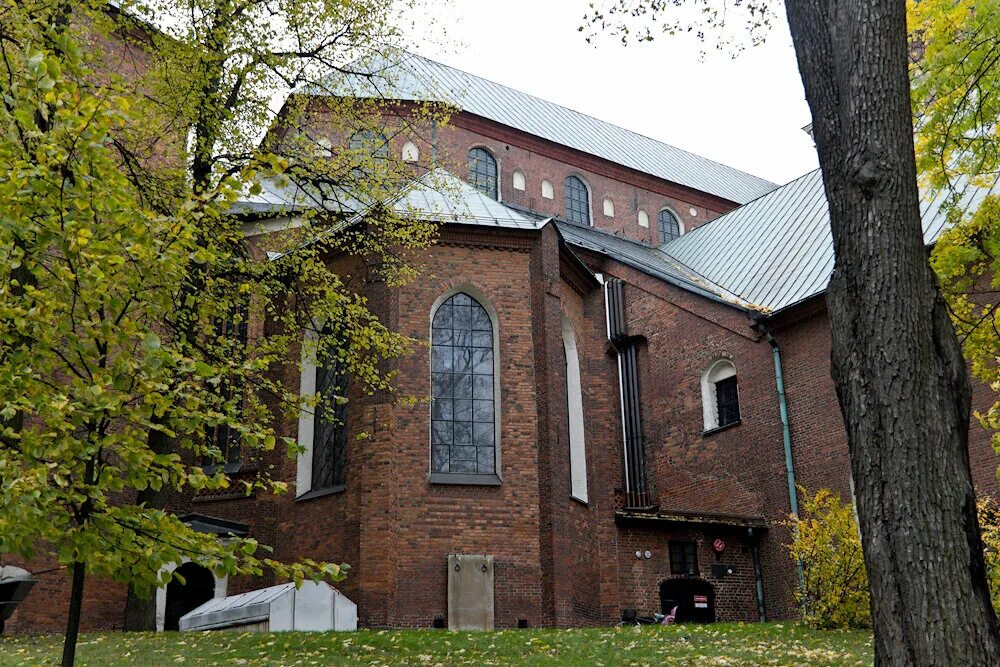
(437, 196)
(644, 258)
(400, 75)
(778, 250)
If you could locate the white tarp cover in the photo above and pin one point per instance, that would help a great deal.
(314, 606)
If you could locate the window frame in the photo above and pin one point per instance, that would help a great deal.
(588, 207)
(306, 436)
(485, 479)
(496, 165)
(683, 549)
(222, 436)
(718, 370)
(659, 225)
(576, 420)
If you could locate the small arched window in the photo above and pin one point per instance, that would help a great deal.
(463, 389)
(518, 180)
(720, 395)
(483, 172)
(643, 218)
(577, 200)
(410, 152)
(670, 226)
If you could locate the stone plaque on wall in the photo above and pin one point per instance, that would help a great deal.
(470, 592)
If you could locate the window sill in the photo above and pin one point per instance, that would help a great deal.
(581, 501)
(464, 479)
(319, 493)
(717, 429)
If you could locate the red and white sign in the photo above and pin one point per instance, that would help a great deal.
(719, 545)
(701, 602)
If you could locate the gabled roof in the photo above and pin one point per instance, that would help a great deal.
(399, 75)
(777, 251)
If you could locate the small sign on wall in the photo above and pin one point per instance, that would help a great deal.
(701, 602)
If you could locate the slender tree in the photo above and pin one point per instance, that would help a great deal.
(900, 376)
(127, 279)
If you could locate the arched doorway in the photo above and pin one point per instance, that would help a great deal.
(197, 589)
(694, 599)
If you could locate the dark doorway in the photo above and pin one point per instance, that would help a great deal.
(694, 599)
(197, 589)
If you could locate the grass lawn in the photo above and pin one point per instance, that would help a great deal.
(720, 644)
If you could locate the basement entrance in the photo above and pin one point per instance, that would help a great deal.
(694, 599)
(197, 589)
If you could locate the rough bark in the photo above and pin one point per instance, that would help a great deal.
(901, 379)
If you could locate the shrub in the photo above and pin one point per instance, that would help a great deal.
(989, 524)
(826, 541)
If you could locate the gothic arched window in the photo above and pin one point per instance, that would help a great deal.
(463, 389)
(483, 172)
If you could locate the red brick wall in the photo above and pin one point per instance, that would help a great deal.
(539, 160)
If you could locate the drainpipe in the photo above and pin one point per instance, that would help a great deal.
(757, 574)
(786, 432)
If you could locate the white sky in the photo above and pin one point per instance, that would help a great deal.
(747, 112)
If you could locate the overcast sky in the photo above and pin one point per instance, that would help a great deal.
(747, 112)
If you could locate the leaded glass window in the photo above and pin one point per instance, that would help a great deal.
(463, 413)
(670, 227)
(577, 200)
(374, 142)
(483, 172)
(329, 450)
(231, 341)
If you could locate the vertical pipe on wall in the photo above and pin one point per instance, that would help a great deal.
(758, 575)
(786, 432)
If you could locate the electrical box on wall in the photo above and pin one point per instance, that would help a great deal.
(720, 570)
(470, 592)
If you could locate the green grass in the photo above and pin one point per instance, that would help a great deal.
(720, 644)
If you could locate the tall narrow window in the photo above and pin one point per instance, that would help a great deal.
(577, 200)
(230, 343)
(483, 172)
(322, 465)
(574, 412)
(720, 395)
(670, 227)
(329, 449)
(463, 410)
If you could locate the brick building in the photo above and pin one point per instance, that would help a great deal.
(627, 364)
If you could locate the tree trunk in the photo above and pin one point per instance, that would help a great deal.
(73, 621)
(901, 379)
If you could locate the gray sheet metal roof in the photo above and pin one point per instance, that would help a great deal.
(407, 76)
(437, 195)
(778, 250)
(644, 258)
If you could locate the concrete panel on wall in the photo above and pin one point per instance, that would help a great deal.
(470, 592)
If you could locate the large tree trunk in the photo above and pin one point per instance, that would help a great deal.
(901, 380)
(73, 620)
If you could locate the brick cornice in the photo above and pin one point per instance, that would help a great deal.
(517, 240)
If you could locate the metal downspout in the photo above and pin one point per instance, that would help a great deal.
(786, 434)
